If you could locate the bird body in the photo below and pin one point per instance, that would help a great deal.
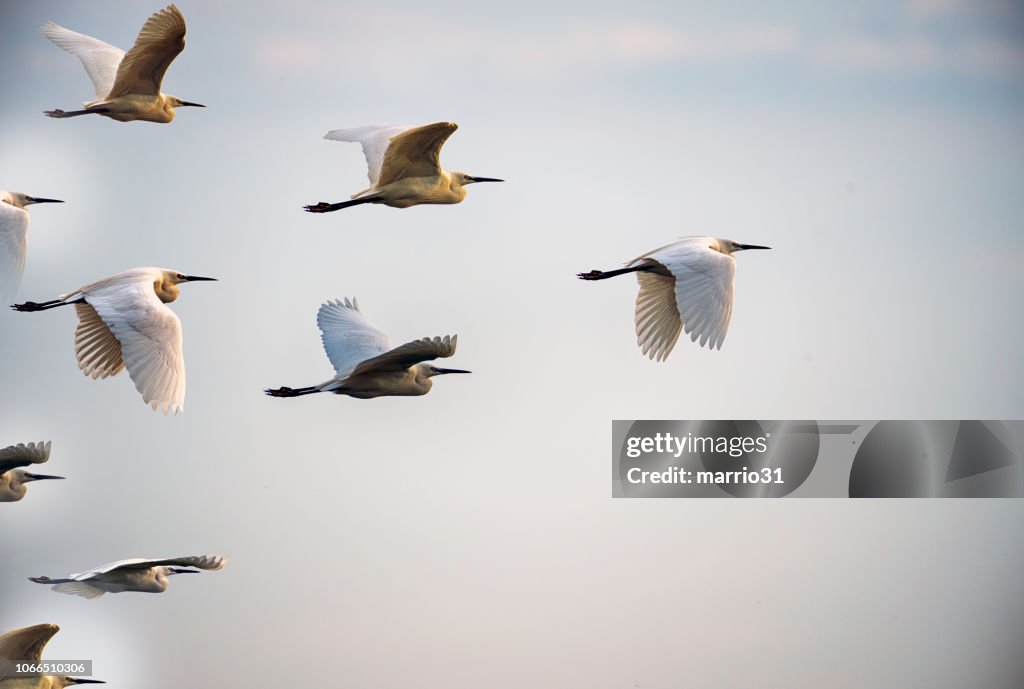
(403, 165)
(128, 84)
(13, 478)
(365, 363)
(141, 575)
(123, 322)
(27, 644)
(684, 286)
(14, 238)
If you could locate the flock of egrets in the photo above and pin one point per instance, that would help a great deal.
(124, 321)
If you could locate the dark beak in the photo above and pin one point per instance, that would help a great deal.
(751, 246)
(42, 477)
(485, 179)
(83, 680)
(191, 105)
(184, 571)
(452, 370)
(196, 278)
(36, 199)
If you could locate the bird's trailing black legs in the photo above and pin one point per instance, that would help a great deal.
(290, 392)
(604, 275)
(31, 306)
(324, 207)
(48, 580)
(73, 113)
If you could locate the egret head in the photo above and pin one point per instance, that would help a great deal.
(166, 286)
(464, 179)
(19, 200)
(728, 246)
(176, 278)
(176, 102)
(432, 370)
(27, 477)
(71, 681)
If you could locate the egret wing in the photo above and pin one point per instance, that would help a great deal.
(415, 152)
(13, 248)
(161, 39)
(374, 140)
(703, 289)
(99, 59)
(347, 336)
(97, 350)
(657, 317)
(26, 643)
(199, 561)
(409, 354)
(22, 455)
(150, 337)
(78, 588)
(209, 562)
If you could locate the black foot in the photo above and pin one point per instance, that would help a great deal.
(323, 207)
(592, 275)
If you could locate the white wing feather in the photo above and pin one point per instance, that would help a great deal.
(13, 248)
(79, 588)
(150, 337)
(208, 562)
(703, 291)
(410, 354)
(100, 59)
(23, 454)
(374, 140)
(349, 339)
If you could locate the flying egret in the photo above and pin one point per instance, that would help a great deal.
(686, 285)
(138, 574)
(122, 322)
(14, 238)
(128, 84)
(12, 477)
(364, 361)
(27, 644)
(404, 169)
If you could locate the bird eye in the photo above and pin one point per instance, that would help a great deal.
(180, 276)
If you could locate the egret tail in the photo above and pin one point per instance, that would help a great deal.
(292, 392)
(324, 207)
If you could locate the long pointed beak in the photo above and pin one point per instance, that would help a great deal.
(441, 371)
(191, 105)
(41, 477)
(184, 571)
(485, 179)
(196, 278)
(83, 680)
(751, 246)
(36, 199)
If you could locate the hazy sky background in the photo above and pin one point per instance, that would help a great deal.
(467, 539)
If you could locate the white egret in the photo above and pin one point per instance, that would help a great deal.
(123, 323)
(684, 286)
(404, 168)
(12, 477)
(364, 361)
(27, 644)
(128, 84)
(14, 238)
(138, 574)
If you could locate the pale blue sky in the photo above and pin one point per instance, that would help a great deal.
(467, 538)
